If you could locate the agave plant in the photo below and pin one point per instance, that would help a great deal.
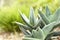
(31, 23)
(48, 17)
(44, 33)
(32, 28)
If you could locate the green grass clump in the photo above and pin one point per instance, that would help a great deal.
(7, 16)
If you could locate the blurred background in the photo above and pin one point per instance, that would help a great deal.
(9, 11)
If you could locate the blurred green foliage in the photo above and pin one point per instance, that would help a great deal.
(52, 4)
(9, 11)
(8, 14)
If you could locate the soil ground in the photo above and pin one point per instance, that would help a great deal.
(17, 36)
(11, 36)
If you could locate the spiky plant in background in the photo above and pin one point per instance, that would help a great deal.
(32, 28)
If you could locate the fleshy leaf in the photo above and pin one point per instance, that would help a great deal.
(24, 26)
(52, 34)
(31, 39)
(32, 16)
(39, 23)
(38, 34)
(56, 16)
(49, 27)
(45, 19)
(48, 13)
(25, 19)
(50, 18)
(24, 31)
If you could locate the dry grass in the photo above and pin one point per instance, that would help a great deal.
(11, 36)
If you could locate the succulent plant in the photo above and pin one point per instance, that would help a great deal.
(31, 23)
(32, 28)
(48, 17)
(43, 34)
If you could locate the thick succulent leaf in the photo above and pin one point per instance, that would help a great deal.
(48, 37)
(24, 26)
(36, 20)
(32, 16)
(38, 23)
(24, 31)
(31, 39)
(48, 13)
(56, 16)
(29, 36)
(42, 23)
(25, 20)
(24, 17)
(38, 34)
(49, 27)
(45, 19)
(50, 18)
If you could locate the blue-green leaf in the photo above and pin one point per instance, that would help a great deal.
(56, 16)
(26, 38)
(24, 26)
(25, 19)
(38, 33)
(49, 27)
(45, 19)
(39, 23)
(24, 31)
(48, 13)
(32, 16)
